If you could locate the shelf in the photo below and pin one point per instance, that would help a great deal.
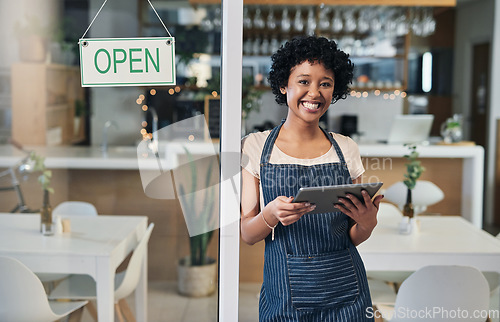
(405, 3)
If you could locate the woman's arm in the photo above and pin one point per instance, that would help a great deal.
(364, 214)
(281, 209)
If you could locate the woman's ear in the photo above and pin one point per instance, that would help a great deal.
(283, 90)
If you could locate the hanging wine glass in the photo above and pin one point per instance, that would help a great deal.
(401, 23)
(429, 23)
(271, 20)
(264, 47)
(349, 21)
(323, 21)
(337, 23)
(275, 45)
(311, 22)
(206, 23)
(363, 24)
(416, 25)
(247, 47)
(285, 21)
(247, 21)
(391, 23)
(217, 19)
(258, 22)
(298, 23)
(256, 46)
(375, 21)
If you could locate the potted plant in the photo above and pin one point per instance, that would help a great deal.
(197, 272)
(46, 226)
(79, 116)
(414, 170)
(32, 36)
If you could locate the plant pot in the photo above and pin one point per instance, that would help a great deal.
(196, 281)
(32, 48)
(76, 126)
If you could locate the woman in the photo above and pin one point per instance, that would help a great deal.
(312, 270)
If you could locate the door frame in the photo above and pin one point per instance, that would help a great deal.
(230, 149)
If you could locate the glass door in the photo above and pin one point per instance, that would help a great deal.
(167, 152)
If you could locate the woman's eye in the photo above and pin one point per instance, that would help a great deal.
(303, 81)
(326, 84)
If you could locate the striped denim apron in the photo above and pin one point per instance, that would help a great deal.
(312, 271)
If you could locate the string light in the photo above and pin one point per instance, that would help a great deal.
(376, 92)
(144, 108)
(171, 91)
(403, 94)
(143, 131)
(138, 101)
(177, 89)
(392, 96)
(365, 94)
(215, 94)
(386, 96)
(141, 97)
(191, 138)
(144, 123)
(152, 91)
(397, 92)
(353, 93)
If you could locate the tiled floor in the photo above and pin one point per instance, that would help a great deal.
(166, 305)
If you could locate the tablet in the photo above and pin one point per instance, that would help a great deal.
(326, 197)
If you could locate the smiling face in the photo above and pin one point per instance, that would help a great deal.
(309, 91)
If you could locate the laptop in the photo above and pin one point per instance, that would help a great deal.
(409, 129)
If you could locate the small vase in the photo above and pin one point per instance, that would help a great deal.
(46, 226)
(408, 207)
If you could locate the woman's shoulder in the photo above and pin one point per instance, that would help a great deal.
(255, 139)
(342, 139)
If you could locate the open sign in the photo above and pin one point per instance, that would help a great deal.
(127, 62)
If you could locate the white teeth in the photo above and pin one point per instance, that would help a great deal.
(310, 105)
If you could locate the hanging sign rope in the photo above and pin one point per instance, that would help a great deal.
(127, 61)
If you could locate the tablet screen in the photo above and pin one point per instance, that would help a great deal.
(326, 197)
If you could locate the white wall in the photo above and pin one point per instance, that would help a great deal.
(375, 115)
(473, 26)
(478, 22)
(117, 19)
(494, 112)
(269, 111)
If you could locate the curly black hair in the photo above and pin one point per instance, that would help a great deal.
(312, 49)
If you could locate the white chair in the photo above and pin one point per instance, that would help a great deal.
(423, 195)
(74, 208)
(23, 298)
(78, 287)
(444, 291)
(67, 208)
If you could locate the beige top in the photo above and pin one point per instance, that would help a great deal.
(253, 144)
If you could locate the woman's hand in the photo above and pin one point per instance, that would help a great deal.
(283, 210)
(364, 214)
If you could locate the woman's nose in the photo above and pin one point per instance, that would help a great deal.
(313, 91)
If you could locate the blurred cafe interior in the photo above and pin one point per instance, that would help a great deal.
(412, 58)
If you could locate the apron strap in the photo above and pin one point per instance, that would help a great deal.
(335, 145)
(268, 146)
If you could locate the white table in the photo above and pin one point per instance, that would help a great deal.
(441, 240)
(95, 246)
